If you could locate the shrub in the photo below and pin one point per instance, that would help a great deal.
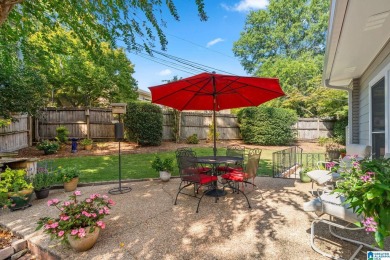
(339, 130)
(192, 139)
(160, 165)
(144, 123)
(62, 134)
(267, 125)
(49, 147)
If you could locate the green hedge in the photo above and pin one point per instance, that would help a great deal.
(339, 130)
(144, 123)
(267, 125)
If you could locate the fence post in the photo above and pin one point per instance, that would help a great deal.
(29, 130)
(88, 123)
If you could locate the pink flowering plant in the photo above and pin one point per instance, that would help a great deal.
(366, 187)
(76, 215)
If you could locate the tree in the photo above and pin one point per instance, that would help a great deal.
(287, 28)
(136, 23)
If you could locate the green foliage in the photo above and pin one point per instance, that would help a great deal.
(86, 141)
(339, 132)
(284, 29)
(176, 125)
(43, 179)
(160, 165)
(192, 139)
(49, 147)
(62, 134)
(66, 174)
(144, 123)
(366, 187)
(14, 181)
(210, 133)
(135, 23)
(266, 125)
(4, 122)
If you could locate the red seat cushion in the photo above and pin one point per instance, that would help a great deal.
(235, 176)
(204, 178)
(228, 169)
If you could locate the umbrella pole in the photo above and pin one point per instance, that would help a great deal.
(214, 118)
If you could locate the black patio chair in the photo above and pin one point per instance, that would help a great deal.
(235, 177)
(236, 151)
(190, 176)
(187, 150)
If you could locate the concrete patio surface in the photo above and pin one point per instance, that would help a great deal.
(144, 224)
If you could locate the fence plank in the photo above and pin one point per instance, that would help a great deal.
(15, 136)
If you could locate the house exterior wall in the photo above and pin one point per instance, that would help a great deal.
(379, 67)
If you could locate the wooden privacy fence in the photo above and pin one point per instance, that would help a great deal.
(198, 123)
(17, 135)
(94, 123)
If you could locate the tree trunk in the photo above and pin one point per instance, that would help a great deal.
(6, 7)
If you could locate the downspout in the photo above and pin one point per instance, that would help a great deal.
(345, 88)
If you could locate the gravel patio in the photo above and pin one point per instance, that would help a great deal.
(144, 224)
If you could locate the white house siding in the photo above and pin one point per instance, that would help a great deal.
(378, 65)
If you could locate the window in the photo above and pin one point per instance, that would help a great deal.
(378, 118)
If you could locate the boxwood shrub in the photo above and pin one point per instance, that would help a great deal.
(144, 123)
(267, 125)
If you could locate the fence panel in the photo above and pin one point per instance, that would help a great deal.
(15, 136)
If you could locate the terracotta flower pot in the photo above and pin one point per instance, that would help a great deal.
(84, 243)
(88, 147)
(71, 185)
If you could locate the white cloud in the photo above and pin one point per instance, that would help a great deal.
(165, 72)
(246, 5)
(215, 41)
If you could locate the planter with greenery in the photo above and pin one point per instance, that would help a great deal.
(42, 181)
(87, 143)
(62, 134)
(48, 147)
(79, 221)
(366, 187)
(164, 167)
(15, 185)
(69, 176)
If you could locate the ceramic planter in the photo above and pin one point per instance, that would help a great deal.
(165, 176)
(84, 243)
(42, 193)
(71, 185)
(20, 200)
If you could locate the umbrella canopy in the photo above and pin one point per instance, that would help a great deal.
(211, 91)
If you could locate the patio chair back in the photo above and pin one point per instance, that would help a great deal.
(253, 163)
(235, 150)
(188, 167)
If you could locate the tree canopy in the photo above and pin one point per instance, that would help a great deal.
(287, 41)
(136, 23)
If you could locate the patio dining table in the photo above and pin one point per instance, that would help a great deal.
(216, 161)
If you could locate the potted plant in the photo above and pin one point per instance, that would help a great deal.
(15, 184)
(366, 187)
(333, 150)
(69, 176)
(164, 167)
(42, 181)
(303, 175)
(48, 147)
(79, 221)
(87, 143)
(343, 152)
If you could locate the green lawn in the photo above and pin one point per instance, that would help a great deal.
(137, 166)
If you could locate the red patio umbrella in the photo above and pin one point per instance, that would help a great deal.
(211, 91)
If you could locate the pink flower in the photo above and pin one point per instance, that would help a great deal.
(61, 233)
(370, 224)
(54, 225)
(81, 232)
(101, 212)
(111, 202)
(74, 232)
(64, 218)
(88, 200)
(105, 197)
(77, 193)
(370, 173)
(47, 226)
(66, 203)
(55, 201)
(93, 215)
(101, 224)
(86, 213)
(330, 165)
(49, 202)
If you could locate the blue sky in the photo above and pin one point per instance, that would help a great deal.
(208, 43)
